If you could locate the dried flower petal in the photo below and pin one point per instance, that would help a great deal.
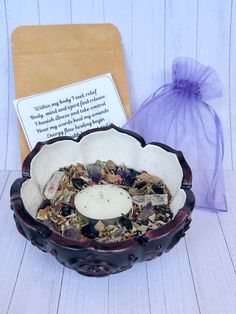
(146, 212)
(124, 173)
(113, 178)
(150, 207)
(94, 172)
(42, 213)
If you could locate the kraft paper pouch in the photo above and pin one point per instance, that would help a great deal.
(47, 57)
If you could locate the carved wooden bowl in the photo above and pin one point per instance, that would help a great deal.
(92, 258)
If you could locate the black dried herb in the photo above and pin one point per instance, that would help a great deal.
(126, 222)
(129, 180)
(66, 210)
(78, 183)
(157, 189)
(160, 209)
(141, 185)
(89, 231)
(142, 239)
(134, 173)
(170, 213)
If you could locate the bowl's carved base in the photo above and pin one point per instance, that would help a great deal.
(99, 264)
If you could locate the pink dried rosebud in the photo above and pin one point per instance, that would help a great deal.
(114, 178)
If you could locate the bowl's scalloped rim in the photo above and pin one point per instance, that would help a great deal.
(182, 215)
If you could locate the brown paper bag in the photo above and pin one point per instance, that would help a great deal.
(51, 56)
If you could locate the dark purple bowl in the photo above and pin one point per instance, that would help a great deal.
(89, 257)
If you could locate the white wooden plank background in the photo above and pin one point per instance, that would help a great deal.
(198, 275)
(153, 34)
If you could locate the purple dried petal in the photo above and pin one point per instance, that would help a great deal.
(124, 173)
(94, 172)
(146, 212)
(148, 206)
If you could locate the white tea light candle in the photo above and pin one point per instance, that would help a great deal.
(103, 202)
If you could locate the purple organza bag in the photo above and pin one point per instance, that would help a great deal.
(177, 115)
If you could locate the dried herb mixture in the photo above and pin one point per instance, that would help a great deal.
(150, 202)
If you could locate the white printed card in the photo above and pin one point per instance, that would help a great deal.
(70, 110)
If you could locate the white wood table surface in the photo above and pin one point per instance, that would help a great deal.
(198, 275)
